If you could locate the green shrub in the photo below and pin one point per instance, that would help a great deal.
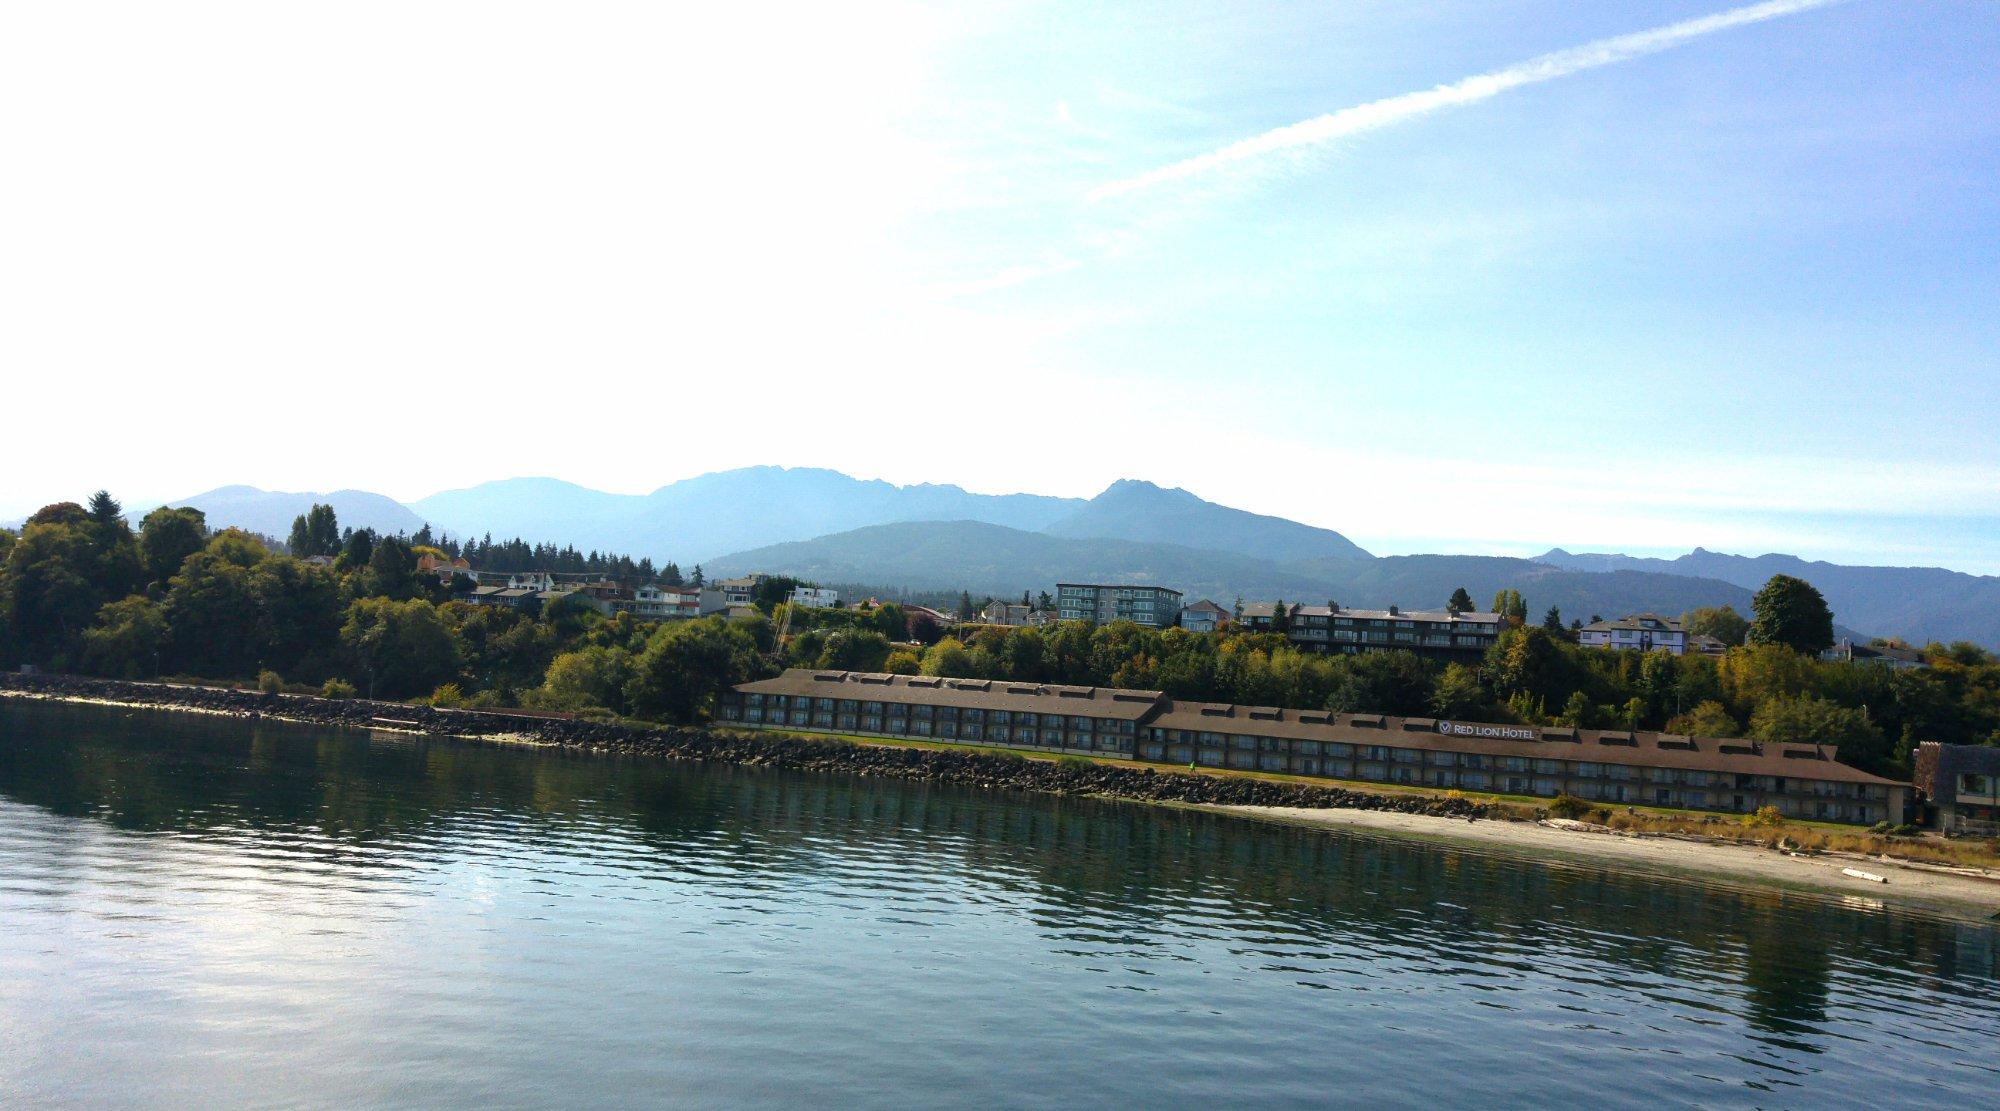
(1068, 760)
(336, 688)
(447, 697)
(1569, 806)
(270, 682)
(1765, 817)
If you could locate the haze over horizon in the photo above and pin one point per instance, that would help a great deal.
(1451, 277)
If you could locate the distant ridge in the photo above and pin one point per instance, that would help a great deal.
(777, 517)
(990, 559)
(1916, 603)
(270, 513)
(1131, 509)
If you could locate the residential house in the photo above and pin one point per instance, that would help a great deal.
(815, 597)
(1640, 632)
(1876, 655)
(1204, 617)
(1011, 614)
(739, 592)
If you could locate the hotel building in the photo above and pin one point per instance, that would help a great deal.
(1612, 766)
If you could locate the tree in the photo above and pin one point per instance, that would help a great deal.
(167, 536)
(965, 610)
(391, 572)
(890, 620)
(591, 677)
(902, 662)
(685, 665)
(1460, 602)
(1281, 617)
(854, 650)
(1788, 611)
(1708, 719)
(316, 533)
(948, 658)
(1721, 622)
(1457, 693)
(1810, 720)
(1510, 605)
(46, 598)
(1553, 622)
(401, 647)
(125, 642)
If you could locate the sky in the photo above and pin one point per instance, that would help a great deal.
(1470, 277)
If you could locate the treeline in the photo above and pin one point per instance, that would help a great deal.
(80, 590)
(317, 532)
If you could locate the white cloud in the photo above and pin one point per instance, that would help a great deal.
(1322, 130)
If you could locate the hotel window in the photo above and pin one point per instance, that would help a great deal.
(1444, 759)
(871, 723)
(1335, 748)
(972, 715)
(1080, 724)
(1052, 738)
(1548, 767)
(823, 718)
(822, 703)
(1248, 744)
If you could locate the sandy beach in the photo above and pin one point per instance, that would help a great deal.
(1908, 885)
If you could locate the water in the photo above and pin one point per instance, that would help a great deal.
(196, 911)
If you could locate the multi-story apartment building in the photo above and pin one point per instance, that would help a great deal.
(1336, 628)
(1156, 607)
(1640, 632)
(1653, 769)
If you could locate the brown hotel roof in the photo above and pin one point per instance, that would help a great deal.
(981, 694)
(1603, 746)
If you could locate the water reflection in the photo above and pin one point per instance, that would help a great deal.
(1401, 947)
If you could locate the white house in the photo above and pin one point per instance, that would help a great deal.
(1640, 632)
(815, 597)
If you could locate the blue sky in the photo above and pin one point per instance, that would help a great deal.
(1739, 293)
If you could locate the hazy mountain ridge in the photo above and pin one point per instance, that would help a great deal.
(1916, 603)
(804, 520)
(1131, 509)
(695, 519)
(271, 512)
(989, 559)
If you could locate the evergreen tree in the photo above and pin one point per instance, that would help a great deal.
(1461, 601)
(1553, 621)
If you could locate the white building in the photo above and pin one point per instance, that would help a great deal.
(1640, 632)
(815, 597)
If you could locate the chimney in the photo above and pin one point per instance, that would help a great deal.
(1394, 612)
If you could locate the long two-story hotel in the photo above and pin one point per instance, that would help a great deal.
(1642, 768)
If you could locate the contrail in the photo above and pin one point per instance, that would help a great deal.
(1396, 109)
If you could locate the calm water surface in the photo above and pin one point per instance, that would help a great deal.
(200, 911)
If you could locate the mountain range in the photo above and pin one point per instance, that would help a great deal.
(825, 525)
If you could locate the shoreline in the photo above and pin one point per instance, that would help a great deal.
(1437, 820)
(1908, 886)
